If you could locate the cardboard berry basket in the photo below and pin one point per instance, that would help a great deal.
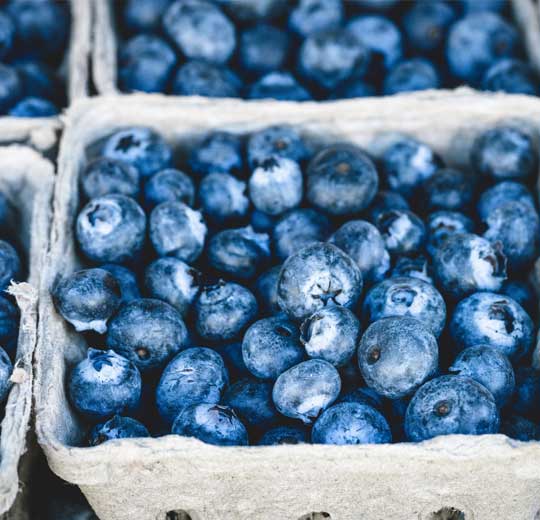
(483, 477)
(26, 178)
(105, 43)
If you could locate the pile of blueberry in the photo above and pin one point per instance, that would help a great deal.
(318, 49)
(33, 42)
(275, 291)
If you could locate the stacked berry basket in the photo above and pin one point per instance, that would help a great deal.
(240, 370)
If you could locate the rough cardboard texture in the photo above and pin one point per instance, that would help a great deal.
(104, 60)
(485, 477)
(26, 178)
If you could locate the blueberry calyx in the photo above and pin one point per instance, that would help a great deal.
(499, 311)
(374, 355)
(442, 408)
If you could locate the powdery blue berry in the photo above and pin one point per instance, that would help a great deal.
(284, 435)
(127, 281)
(200, 78)
(223, 198)
(169, 185)
(403, 232)
(500, 194)
(410, 76)
(312, 16)
(117, 427)
(219, 152)
(278, 85)
(104, 176)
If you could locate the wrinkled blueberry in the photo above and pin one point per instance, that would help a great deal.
(111, 229)
(451, 405)
(341, 180)
(211, 423)
(402, 231)
(307, 389)
(494, 320)
(223, 311)
(490, 368)
(169, 185)
(223, 197)
(396, 355)
(148, 332)
(332, 334)
(87, 299)
(351, 423)
(172, 281)
(196, 375)
(177, 230)
(271, 346)
(316, 276)
(104, 176)
(117, 427)
(104, 384)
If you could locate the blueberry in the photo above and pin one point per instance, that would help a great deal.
(500, 194)
(223, 311)
(9, 325)
(38, 80)
(396, 355)
(87, 299)
(199, 78)
(278, 85)
(316, 276)
(385, 200)
(200, 30)
(341, 180)
(266, 290)
(443, 224)
(141, 147)
(196, 375)
(306, 390)
(254, 10)
(451, 405)
(239, 252)
(413, 267)
(34, 107)
(232, 355)
(449, 189)
(527, 394)
(281, 435)
(117, 427)
(381, 36)
(519, 291)
(104, 176)
(252, 401)
(145, 63)
(351, 423)
(169, 185)
(148, 332)
(488, 367)
(104, 384)
(403, 232)
(172, 281)
(406, 297)
(11, 88)
(505, 153)
(276, 185)
(410, 76)
(465, 263)
(408, 163)
(476, 42)
(177, 230)
(516, 226)
(6, 368)
(7, 35)
(426, 25)
(312, 16)
(219, 152)
(10, 265)
(211, 423)
(511, 76)
(263, 48)
(127, 281)
(494, 320)
(330, 57)
(365, 245)
(111, 229)
(222, 198)
(144, 15)
(519, 428)
(276, 141)
(271, 346)
(41, 27)
(365, 395)
(375, 5)
(261, 222)
(298, 229)
(332, 334)
(353, 88)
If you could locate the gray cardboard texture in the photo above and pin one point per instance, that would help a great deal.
(26, 179)
(485, 477)
(105, 42)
